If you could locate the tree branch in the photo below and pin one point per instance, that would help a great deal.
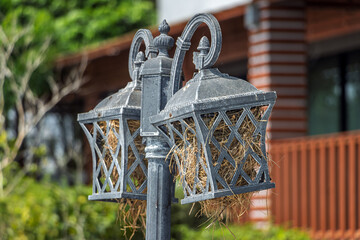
(30, 108)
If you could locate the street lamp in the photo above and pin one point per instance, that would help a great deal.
(113, 131)
(214, 127)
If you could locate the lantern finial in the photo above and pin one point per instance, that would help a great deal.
(199, 57)
(164, 27)
(204, 45)
(164, 42)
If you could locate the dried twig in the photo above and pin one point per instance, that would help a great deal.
(29, 108)
(131, 212)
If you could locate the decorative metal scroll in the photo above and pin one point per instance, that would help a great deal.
(183, 44)
(150, 51)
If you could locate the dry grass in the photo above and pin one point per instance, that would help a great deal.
(190, 154)
(131, 211)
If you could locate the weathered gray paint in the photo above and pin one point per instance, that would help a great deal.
(156, 99)
(155, 76)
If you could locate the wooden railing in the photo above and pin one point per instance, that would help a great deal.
(318, 184)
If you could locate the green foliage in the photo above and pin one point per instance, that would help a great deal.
(74, 24)
(247, 232)
(45, 210)
(3, 139)
(40, 151)
(186, 213)
(70, 25)
(49, 211)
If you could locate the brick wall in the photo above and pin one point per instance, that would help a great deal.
(277, 62)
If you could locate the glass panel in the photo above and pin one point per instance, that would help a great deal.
(352, 89)
(324, 97)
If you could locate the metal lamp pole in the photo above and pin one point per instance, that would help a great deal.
(155, 76)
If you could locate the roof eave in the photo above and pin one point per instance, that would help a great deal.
(115, 46)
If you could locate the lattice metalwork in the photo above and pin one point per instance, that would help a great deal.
(113, 131)
(220, 153)
(119, 167)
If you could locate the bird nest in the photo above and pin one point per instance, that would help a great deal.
(131, 212)
(190, 153)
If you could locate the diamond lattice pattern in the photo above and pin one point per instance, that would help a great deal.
(108, 152)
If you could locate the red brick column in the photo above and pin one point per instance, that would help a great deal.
(277, 62)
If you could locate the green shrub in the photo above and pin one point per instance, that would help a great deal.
(43, 210)
(246, 232)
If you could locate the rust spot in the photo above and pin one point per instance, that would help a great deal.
(170, 115)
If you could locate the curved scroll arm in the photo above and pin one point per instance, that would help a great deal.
(183, 44)
(150, 51)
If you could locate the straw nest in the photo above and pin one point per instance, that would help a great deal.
(131, 211)
(229, 207)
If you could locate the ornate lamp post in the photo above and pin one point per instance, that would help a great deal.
(209, 118)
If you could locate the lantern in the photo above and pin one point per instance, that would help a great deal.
(113, 131)
(216, 124)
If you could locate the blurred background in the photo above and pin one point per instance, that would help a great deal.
(60, 58)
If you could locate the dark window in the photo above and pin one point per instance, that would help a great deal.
(334, 94)
(352, 90)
